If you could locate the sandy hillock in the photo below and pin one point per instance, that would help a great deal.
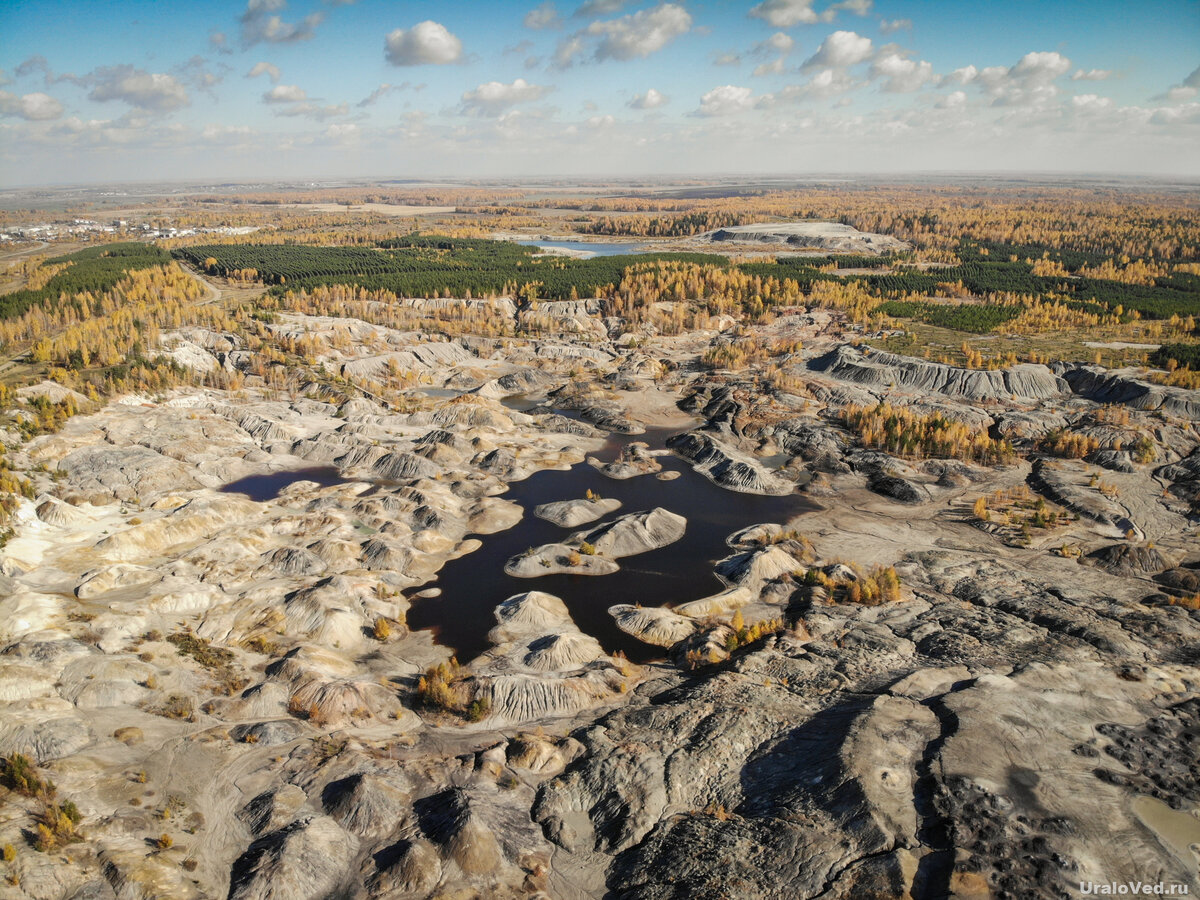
(808, 235)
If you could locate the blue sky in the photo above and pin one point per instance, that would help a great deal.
(329, 88)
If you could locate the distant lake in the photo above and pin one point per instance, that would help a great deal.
(598, 248)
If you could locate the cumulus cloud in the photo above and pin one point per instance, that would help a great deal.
(150, 91)
(634, 36)
(382, 91)
(840, 50)
(891, 26)
(220, 42)
(265, 68)
(426, 43)
(728, 59)
(900, 74)
(494, 97)
(599, 8)
(786, 13)
(1028, 83)
(1184, 114)
(261, 24)
(652, 99)
(285, 93)
(35, 107)
(542, 17)
(1091, 75)
(824, 85)
(726, 100)
(955, 100)
(601, 122)
(1091, 104)
(779, 43)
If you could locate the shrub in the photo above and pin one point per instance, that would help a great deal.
(382, 629)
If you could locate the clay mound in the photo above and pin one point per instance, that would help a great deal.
(881, 370)
(660, 627)
(53, 511)
(557, 652)
(527, 698)
(365, 804)
(556, 559)
(304, 859)
(533, 610)
(1130, 559)
(294, 561)
(416, 870)
(633, 533)
(100, 581)
(278, 731)
(271, 810)
(726, 466)
(44, 738)
(814, 235)
(573, 513)
(335, 703)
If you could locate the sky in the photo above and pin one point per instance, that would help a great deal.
(94, 92)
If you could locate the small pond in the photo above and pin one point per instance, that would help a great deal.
(474, 585)
(267, 487)
(597, 248)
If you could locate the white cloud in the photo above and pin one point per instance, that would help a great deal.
(265, 68)
(1029, 83)
(652, 99)
(1091, 75)
(634, 36)
(840, 50)
(1184, 114)
(824, 85)
(901, 75)
(726, 101)
(1175, 94)
(35, 107)
(285, 93)
(858, 7)
(955, 100)
(599, 8)
(426, 43)
(152, 91)
(382, 91)
(1193, 80)
(494, 97)
(775, 67)
(779, 42)
(313, 111)
(640, 34)
(728, 59)
(1091, 104)
(890, 26)
(544, 16)
(601, 122)
(786, 13)
(259, 24)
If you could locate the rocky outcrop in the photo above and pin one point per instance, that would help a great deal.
(1124, 387)
(633, 460)
(884, 371)
(727, 467)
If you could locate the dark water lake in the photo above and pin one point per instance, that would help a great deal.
(267, 487)
(474, 585)
(600, 249)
